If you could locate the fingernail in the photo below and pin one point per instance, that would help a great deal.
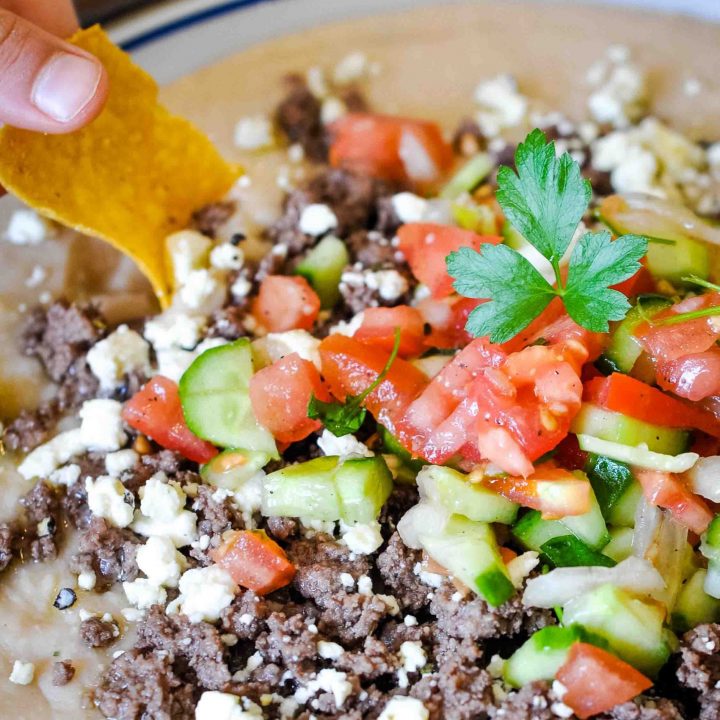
(65, 86)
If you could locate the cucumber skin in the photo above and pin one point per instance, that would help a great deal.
(619, 428)
(620, 546)
(322, 267)
(615, 488)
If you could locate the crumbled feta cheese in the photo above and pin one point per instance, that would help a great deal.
(401, 707)
(143, 593)
(390, 284)
(49, 456)
(116, 463)
(562, 710)
(346, 446)
(36, 277)
(362, 538)
(347, 580)
(348, 328)
(66, 475)
(364, 585)
(227, 256)
(632, 167)
(173, 329)
(189, 250)
(332, 681)
(351, 68)
(102, 426)
(409, 207)
(200, 286)
(412, 655)
(329, 650)
(26, 227)
(122, 352)
(162, 512)
(160, 561)
(254, 133)
(428, 578)
(391, 603)
(173, 362)
(215, 705)
(87, 580)
(247, 496)
(241, 287)
(313, 527)
(205, 593)
(332, 109)
(620, 94)
(106, 498)
(278, 345)
(501, 105)
(22, 673)
(317, 219)
(410, 620)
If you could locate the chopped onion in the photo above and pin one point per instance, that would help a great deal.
(712, 580)
(421, 519)
(647, 522)
(419, 166)
(704, 478)
(563, 584)
(669, 556)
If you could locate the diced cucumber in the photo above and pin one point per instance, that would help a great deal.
(392, 445)
(323, 267)
(541, 655)
(469, 551)
(694, 606)
(620, 546)
(363, 486)
(468, 177)
(231, 468)
(326, 489)
(304, 490)
(570, 551)
(632, 628)
(615, 488)
(619, 428)
(640, 456)
(455, 493)
(590, 526)
(673, 262)
(710, 548)
(533, 532)
(469, 215)
(216, 403)
(624, 348)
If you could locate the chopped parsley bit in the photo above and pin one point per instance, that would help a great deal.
(346, 418)
(545, 202)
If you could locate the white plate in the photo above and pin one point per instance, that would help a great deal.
(179, 36)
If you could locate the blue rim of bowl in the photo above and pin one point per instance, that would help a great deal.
(186, 21)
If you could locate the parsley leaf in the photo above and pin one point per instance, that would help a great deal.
(545, 201)
(346, 418)
(547, 197)
(596, 263)
(518, 292)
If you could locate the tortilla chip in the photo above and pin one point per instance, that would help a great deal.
(131, 177)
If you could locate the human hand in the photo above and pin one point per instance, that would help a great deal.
(46, 84)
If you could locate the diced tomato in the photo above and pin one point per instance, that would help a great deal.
(624, 394)
(569, 455)
(669, 492)
(578, 344)
(379, 324)
(670, 342)
(534, 331)
(447, 318)
(641, 282)
(391, 148)
(694, 377)
(286, 303)
(426, 245)
(280, 394)
(254, 561)
(157, 412)
(350, 367)
(597, 681)
(507, 554)
(554, 491)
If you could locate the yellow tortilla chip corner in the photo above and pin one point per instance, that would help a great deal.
(131, 177)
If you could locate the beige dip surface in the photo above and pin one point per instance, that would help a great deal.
(430, 62)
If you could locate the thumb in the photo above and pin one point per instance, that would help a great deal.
(46, 84)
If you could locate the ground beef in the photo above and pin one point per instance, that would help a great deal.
(42, 511)
(74, 504)
(8, 544)
(288, 641)
(396, 564)
(97, 633)
(532, 702)
(228, 322)
(167, 461)
(371, 661)
(216, 513)
(699, 667)
(282, 528)
(472, 617)
(210, 218)
(107, 551)
(196, 649)
(372, 249)
(352, 618)
(32, 427)
(645, 708)
(60, 337)
(468, 139)
(63, 672)
(246, 615)
(298, 116)
(143, 686)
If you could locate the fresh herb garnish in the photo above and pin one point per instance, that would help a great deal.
(684, 317)
(695, 280)
(545, 202)
(345, 418)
